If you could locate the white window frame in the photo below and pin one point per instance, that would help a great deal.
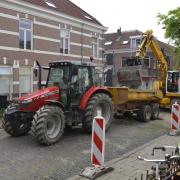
(64, 41)
(93, 47)
(31, 79)
(25, 31)
(134, 38)
(11, 81)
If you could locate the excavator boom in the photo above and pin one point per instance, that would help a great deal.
(149, 41)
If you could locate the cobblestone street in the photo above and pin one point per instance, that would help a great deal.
(22, 158)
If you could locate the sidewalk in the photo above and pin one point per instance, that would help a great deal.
(128, 166)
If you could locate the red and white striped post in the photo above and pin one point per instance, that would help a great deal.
(97, 150)
(98, 141)
(175, 119)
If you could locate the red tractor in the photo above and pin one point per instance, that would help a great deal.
(71, 97)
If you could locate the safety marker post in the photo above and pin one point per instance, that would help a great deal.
(97, 150)
(175, 120)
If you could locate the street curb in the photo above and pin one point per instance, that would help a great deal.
(113, 162)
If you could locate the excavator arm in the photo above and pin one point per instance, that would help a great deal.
(149, 41)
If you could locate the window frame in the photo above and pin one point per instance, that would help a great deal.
(25, 33)
(135, 38)
(93, 44)
(64, 42)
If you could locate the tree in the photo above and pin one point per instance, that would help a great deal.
(171, 24)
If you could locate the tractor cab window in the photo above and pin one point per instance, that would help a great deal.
(81, 80)
(173, 82)
(98, 77)
(58, 76)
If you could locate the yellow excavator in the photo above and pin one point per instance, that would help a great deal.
(167, 81)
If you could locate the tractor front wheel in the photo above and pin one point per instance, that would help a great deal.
(98, 102)
(17, 127)
(48, 124)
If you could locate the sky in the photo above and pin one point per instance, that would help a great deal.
(129, 14)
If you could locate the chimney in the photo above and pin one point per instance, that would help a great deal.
(119, 31)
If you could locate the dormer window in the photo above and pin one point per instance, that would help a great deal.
(135, 41)
(50, 4)
(87, 17)
(124, 42)
(107, 43)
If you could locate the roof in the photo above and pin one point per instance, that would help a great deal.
(65, 7)
(121, 40)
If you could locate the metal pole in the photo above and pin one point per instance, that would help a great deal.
(82, 42)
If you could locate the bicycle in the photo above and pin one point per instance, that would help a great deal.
(167, 168)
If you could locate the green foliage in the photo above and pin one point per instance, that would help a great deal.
(177, 57)
(171, 24)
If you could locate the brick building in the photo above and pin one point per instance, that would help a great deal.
(43, 30)
(121, 45)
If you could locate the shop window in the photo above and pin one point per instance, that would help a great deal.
(5, 80)
(65, 39)
(25, 34)
(25, 80)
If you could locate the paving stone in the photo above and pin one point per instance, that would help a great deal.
(130, 167)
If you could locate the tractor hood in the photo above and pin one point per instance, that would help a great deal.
(37, 99)
(39, 94)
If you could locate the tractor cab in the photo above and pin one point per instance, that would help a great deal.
(73, 79)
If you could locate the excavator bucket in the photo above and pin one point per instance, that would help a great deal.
(130, 75)
(130, 78)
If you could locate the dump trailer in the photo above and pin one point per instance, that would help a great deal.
(143, 103)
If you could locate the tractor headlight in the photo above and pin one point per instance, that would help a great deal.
(26, 101)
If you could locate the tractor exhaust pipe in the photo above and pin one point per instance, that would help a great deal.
(38, 74)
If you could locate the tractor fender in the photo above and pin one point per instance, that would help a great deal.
(54, 102)
(90, 92)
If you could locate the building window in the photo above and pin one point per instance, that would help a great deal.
(65, 39)
(25, 80)
(5, 80)
(25, 34)
(135, 42)
(95, 47)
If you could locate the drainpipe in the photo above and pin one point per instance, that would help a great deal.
(82, 42)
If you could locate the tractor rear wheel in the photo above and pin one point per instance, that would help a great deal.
(144, 114)
(48, 124)
(98, 102)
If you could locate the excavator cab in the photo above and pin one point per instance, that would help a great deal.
(173, 82)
